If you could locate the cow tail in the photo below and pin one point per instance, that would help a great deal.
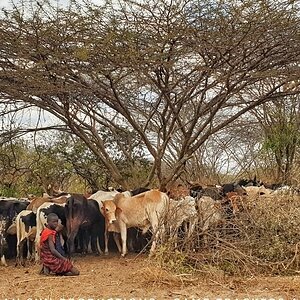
(18, 229)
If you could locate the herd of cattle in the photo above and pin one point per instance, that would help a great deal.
(129, 215)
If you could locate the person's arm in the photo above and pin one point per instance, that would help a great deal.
(53, 250)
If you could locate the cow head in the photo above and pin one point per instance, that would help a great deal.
(109, 210)
(76, 210)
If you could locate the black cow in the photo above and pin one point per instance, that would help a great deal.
(8, 211)
(139, 191)
(10, 208)
(83, 215)
(196, 190)
(250, 182)
(233, 187)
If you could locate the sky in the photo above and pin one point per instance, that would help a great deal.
(7, 3)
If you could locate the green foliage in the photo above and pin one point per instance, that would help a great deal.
(64, 161)
(282, 136)
(7, 191)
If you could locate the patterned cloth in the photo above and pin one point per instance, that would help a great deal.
(55, 264)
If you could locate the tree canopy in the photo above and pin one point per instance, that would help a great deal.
(169, 73)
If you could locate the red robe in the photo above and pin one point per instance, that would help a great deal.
(55, 264)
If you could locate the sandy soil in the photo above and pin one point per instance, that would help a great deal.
(136, 278)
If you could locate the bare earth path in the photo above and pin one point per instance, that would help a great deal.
(135, 278)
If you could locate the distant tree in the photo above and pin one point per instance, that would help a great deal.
(87, 165)
(280, 122)
(13, 165)
(29, 168)
(173, 73)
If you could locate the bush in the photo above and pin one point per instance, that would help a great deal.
(262, 239)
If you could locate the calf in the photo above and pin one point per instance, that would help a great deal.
(177, 192)
(107, 210)
(196, 190)
(213, 192)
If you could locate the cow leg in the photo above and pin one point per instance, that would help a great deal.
(28, 249)
(154, 224)
(185, 227)
(31, 250)
(2, 243)
(117, 241)
(123, 231)
(98, 244)
(85, 241)
(20, 259)
(82, 240)
(106, 233)
(205, 228)
(176, 235)
(3, 261)
(89, 243)
(94, 240)
(131, 238)
(37, 248)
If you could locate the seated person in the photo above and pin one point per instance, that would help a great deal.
(51, 258)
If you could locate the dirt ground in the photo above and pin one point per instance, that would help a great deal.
(134, 277)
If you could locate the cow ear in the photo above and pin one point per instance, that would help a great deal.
(102, 209)
(118, 210)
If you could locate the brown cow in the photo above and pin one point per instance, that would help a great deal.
(38, 201)
(143, 211)
(235, 200)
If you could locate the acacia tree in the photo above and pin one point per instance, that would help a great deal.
(280, 123)
(174, 73)
(88, 166)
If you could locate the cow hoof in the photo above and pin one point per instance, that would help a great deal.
(151, 254)
(105, 253)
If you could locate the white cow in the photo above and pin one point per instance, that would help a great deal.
(41, 222)
(26, 232)
(256, 191)
(102, 196)
(210, 214)
(183, 212)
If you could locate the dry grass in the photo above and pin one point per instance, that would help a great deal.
(264, 239)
